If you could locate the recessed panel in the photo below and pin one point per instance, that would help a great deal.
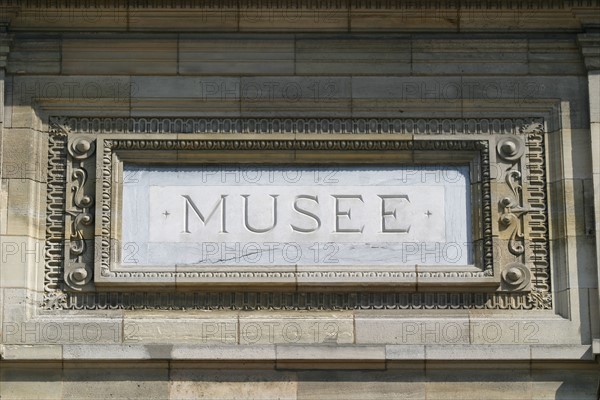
(220, 215)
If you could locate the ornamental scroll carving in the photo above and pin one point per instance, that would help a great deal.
(512, 212)
(513, 209)
(74, 199)
(79, 213)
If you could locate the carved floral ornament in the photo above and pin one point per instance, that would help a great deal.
(525, 277)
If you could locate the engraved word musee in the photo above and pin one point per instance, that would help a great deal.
(388, 212)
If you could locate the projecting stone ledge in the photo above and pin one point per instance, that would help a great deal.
(297, 353)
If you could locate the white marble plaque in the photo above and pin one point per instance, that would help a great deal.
(280, 215)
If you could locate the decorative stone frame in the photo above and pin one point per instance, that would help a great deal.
(514, 272)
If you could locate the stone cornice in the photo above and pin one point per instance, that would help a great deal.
(301, 15)
(589, 44)
(379, 4)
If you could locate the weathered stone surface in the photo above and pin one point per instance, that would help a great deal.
(214, 329)
(336, 73)
(119, 56)
(359, 55)
(407, 330)
(235, 55)
(20, 254)
(286, 328)
(216, 352)
(232, 384)
(552, 381)
(32, 352)
(27, 381)
(473, 57)
(35, 56)
(554, 56)
(511, 381)
(87, 381)
(25, 208)
(404, 384)
(278, 215)
(28, 156)
(329, 353)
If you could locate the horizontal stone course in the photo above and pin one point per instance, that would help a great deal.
(293, 54)
(306, 16)
(182, 380)
(294, 353)
(435, 62)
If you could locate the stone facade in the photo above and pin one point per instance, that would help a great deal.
(510, 89)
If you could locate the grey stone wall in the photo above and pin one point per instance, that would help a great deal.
(142, 71)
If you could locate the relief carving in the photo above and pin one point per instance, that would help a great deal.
(78, 272)
(512, 213)
(517, 274)
(73, 206)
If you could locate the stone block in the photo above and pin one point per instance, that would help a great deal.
(22, 260)
(477, 352)
(561, 299)
(575, 251)
(119, 56)
(34, 55)
(3, 205)
(562, 352)
(398, 17)
(331, 353)
(115, 352)
(231, 384)
(86, 333)
(560, 277)
(554, 56)
(593, 81)
(1, 320)
(360, 55)
(589, 207)
(216, 352)
(554, 381)
(476, 19)
(443, 90)
(469, 57)
(396, 384)
(78, 18)
(412, 330)
(82, 95)
(595, 140)
(594, 310)
(198, 18)
(576, 155)
(17, 306)
(185, 96)
(28, 155)
(300, 18)
(26, 208)
(286, 328)
(582, 254)
(32, 352)
(236, 55)
(131, 381)
(42, 380)
(290, 96)
(566, 208)
(217, 330)
(404, 352)
(596, 346)
(471, 381)
(536, 329)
